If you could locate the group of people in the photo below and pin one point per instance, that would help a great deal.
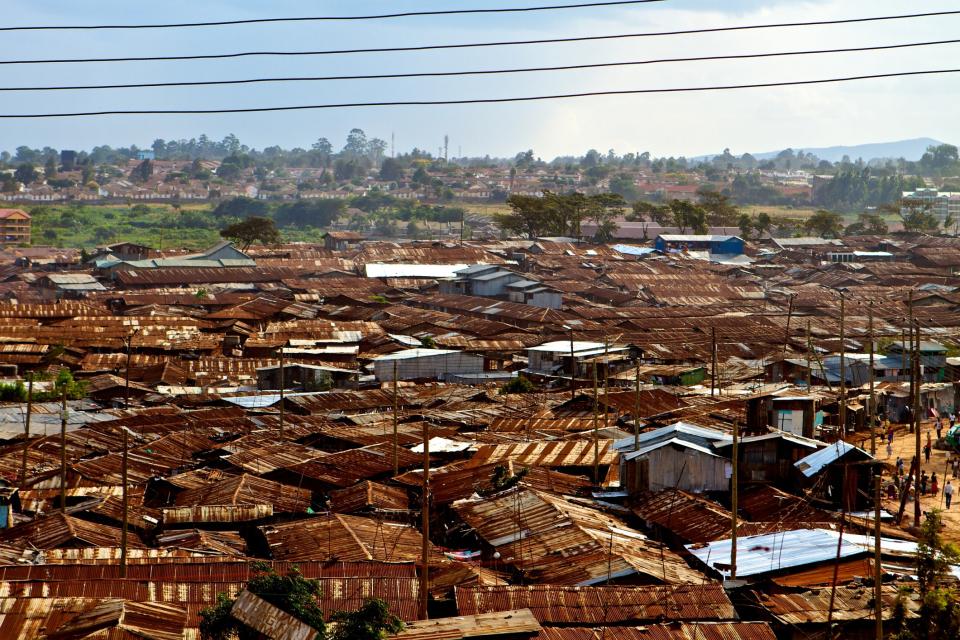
(929, 484)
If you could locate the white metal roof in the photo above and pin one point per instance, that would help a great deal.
(772, 552)
(816, 461)
(565, 346)
(404, 270)
(414, 353)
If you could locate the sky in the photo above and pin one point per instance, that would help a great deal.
(752, 120)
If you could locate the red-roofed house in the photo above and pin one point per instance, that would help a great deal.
(14, 226)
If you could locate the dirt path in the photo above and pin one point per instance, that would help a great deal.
(904, 445)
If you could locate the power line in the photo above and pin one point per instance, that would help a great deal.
(381, 16)
(505, 43)
(405, 103)
(431, 74)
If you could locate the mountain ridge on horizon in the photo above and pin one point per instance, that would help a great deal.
(910, 149)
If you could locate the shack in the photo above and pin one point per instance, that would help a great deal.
(426, 364)
(678, 456)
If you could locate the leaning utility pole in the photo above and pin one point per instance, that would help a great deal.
(877, 568)
(713, 361)
(596, 427)
(918, 380)
(26, 430)
(63, 449)
(396, 462)
(636, 414)
(734, 482)
(843, 368)
(283, 365)
(871, 403)
(425, 533)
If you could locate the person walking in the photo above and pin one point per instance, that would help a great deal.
(934, 484)
(889, 449)
(899, 466)
(923, 483)
(939, 429)
(926, 451)
(948, 493)
(890, 434)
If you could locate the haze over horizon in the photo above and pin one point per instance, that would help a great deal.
(689, 124)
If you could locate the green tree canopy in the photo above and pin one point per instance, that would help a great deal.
(252, 230)
(825, 224)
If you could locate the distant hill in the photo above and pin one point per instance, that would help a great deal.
(909, 149)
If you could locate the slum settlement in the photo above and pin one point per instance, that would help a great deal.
(696, 438)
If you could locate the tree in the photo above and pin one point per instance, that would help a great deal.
(687, 215)
(291, 593)
(661, 214)
(939, 613)
(720, 211)
(240, 207)
(142, 172)
(391, 170)
(763, 223)
(746, 225)
(356, 145)
(916, 215)
(26, 173)
(603, 209)
(372, 621)
(528, 216)
(309, 213)
(251, 230)
(825, 224)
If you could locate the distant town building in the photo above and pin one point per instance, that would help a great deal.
(942, 203)
(14, 226)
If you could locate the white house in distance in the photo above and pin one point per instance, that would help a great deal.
(426, 364)
(552, 358)
(492, 281)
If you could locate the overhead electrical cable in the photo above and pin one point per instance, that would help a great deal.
(403, 103)
(504, 43)
(480, 72)
(380, 16)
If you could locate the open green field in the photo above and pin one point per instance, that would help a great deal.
(162, 226)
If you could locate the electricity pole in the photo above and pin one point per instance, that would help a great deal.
(26, 429)
(871, 408)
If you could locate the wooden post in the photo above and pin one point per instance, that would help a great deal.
(917, 381)
(871, 403)
(425, 526)
(786, 338)
(713, 361)
(396, 463)
(636, 414)
(836, 561)
(282, 385)
(843, 368)
(125, 503)
(26, 430)
(573, 370)
(877, 568)
(63, 449)
(809, 369)
(606, 405)
(596, 427)
(734, 489)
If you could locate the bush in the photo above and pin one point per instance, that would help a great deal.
(518, 385)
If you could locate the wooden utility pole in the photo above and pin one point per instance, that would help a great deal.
(636, 413)
(871, 403)
(877, 568)
(843, 368)
(596, 428)
(396, 462)
(786, 338)
(809, 369)
(425, 526)
(26, 430)
(836, 561)
(63, 449)
(282, 385)
(734, 488)
(917, 381)
(713, 361)
(573, 369)
(124, 468)
(606, 406)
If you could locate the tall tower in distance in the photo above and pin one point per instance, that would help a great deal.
(446, 148)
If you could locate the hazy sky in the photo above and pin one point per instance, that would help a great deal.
(676, 124)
